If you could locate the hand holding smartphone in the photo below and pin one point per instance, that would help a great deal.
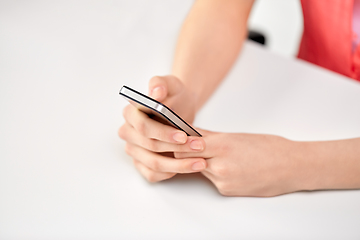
(157, 110)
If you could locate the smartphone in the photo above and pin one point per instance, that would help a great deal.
(157, 110)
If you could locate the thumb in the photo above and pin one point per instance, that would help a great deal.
(165, 86)
(158, 88)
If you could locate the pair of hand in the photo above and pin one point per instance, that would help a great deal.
(238, 164)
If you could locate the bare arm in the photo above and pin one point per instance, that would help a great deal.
(330, 164)
(238, 164)
(209, 42)
(266, 165)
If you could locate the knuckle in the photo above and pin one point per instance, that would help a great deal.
(126, 111)
(152, 177)
(122, 132)
(135, 162)
(151, 145)
(220, 170)
(128, 149)
(154, 165)
(224, 189)
(224, 192)
(162, 135)
(185, 166)
(141, 127)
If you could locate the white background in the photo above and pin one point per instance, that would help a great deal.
(63, 171)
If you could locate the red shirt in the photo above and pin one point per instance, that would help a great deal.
(327, 37)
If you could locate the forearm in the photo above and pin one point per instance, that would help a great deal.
(209, 43)
(330, 164)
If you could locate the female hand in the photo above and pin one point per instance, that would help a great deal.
(149, 142)
(250, 164)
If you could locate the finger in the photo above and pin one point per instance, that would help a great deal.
(129, 134)
(152, 129)
(161, 87)
(151, 175)
(210, 144)
(181, 155)
(213, 143)
(159, 163)
(214, 169)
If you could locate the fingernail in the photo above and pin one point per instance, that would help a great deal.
(180, 137)
(196, 145)
(198, 166)
(157, 92)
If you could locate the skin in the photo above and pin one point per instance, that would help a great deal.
(238, 164)
(148, 140)
(267, 165)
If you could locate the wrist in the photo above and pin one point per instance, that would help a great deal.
(314, 168)
(193, 98)
(193, 91)
(327, 165)
(306, 167)
(333, 164)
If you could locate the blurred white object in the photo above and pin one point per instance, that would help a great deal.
(282, 23)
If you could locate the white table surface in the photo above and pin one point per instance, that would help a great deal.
(63, 171)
